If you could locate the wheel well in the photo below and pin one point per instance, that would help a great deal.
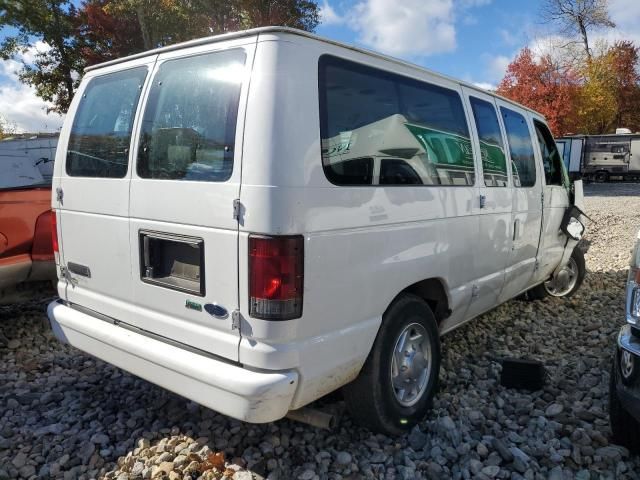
(433, 292)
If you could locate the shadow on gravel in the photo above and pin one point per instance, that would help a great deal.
(67, 415)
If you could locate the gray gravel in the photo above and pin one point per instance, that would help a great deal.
(66, 415)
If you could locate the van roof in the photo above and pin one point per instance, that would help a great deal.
(301, 33)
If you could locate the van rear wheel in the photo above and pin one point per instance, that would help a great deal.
(395, 388)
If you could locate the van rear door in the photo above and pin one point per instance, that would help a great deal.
(91, 188)
(183, 231)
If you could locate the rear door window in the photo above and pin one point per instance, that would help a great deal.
(189, 125)
(494, 164)
(523, 161)
(101, 131)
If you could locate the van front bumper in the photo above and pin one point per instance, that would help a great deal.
(248, 395)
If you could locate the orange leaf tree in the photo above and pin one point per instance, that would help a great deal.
(545, 86)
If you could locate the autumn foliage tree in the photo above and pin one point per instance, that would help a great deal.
(77, 34)
(542, 85)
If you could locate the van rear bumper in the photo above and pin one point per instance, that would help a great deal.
(248, 395)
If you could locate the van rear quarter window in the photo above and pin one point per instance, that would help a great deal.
(419, 128)
(101, 131)
(189, 124)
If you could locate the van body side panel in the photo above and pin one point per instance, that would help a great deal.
(492, 246)
(363, 245)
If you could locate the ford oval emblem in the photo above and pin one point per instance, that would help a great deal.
(215, 310)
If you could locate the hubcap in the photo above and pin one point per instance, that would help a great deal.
(563, 282)
(411, 364)
(626, 364)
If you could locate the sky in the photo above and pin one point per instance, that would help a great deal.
(473, 40)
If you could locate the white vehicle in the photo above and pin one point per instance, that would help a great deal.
(256, 219)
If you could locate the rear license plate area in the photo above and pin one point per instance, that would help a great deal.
(172, 261)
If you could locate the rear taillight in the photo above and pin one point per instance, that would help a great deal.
(54, 231)
(276, 277)
(42, 248)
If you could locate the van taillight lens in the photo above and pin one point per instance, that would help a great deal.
(54, 231)
(276, 277)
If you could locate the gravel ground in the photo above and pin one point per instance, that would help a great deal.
(66, 415)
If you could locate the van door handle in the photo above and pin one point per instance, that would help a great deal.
(483, 201)
(516, 229)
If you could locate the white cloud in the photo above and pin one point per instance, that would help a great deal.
(496, 67)
(19, 104)
(328, 15)
(407, 28)
(485, 85)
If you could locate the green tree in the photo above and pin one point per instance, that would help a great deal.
(54, 70)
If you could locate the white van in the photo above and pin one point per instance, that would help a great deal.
(256, 219)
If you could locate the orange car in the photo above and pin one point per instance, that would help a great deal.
(26, 244)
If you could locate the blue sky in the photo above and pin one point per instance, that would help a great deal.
(473, 40)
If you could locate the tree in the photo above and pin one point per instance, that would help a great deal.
(577, 17)
(543, 86)
(7, 128)
(610, 94)
(100, 30)
(53, 72)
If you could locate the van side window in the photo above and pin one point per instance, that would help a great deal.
(550, 156)
(419, 127)
(494, 162)
(189, 124)
(523, 163)
(101, 131)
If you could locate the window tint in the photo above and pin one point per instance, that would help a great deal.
(101, 130)
(365, 112)
(355, 171)
(494, 163)
(398, 172)
(553, 166)
(189, 125)
(523, 163)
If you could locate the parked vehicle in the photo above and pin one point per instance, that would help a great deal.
(599, 158)
(26, 252)
(624, 392)
(256, 219)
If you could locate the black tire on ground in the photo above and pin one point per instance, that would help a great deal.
(371, 397)
(625, 428)
(601, 177)
(540, 291)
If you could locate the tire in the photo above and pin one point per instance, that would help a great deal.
(546, 289)
(372, 399)
(601, 177)
(625, 428)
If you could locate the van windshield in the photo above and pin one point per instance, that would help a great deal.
(189, 124)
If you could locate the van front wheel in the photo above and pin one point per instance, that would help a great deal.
(566, 282)
(396, 385)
